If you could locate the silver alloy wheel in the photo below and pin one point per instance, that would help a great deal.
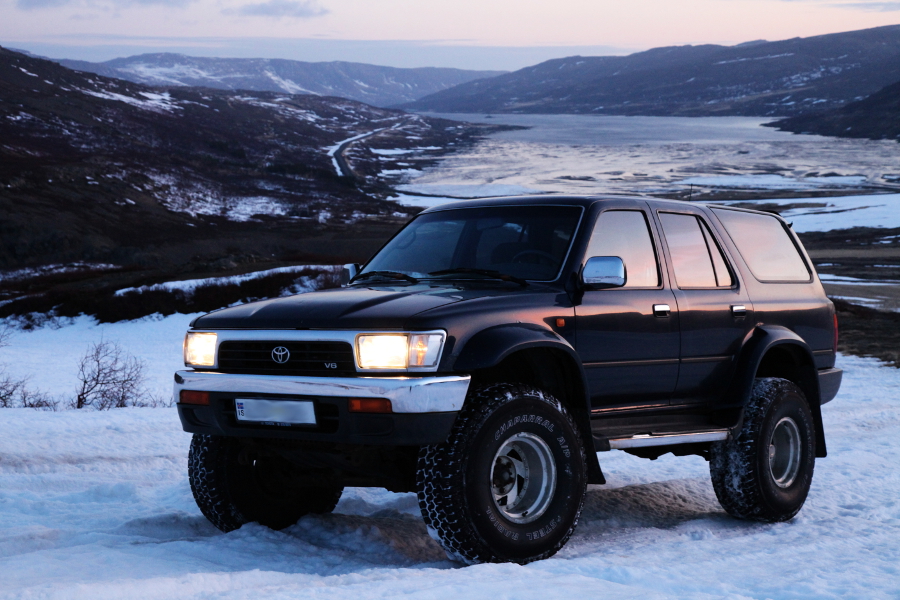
(784, 452)
(523, 478)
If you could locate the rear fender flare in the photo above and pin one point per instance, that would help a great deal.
(758, 344)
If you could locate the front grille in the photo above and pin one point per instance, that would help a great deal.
(315, 359)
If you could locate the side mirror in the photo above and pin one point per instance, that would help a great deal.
(603, 272)
(349, 272)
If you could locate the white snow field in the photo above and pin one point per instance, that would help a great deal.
(96, 505)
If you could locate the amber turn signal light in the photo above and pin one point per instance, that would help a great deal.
(370, 405)
(192, 397)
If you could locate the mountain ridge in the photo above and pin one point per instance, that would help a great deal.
(876, 117)
(371, 84)
(780, 78)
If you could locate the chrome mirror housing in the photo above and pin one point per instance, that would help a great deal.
(349, 271)
(603, 272)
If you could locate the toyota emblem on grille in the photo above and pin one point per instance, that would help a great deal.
(280, 354)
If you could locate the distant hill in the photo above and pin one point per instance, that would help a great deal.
(379, 86)
(876, 117)
(104, 170)
(760, 78)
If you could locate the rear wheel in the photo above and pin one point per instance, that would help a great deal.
(509, 483)
(766, 472)
(232, 487)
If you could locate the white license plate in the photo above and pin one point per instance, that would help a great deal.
(295, 412)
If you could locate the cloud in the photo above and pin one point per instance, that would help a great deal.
(281, 8)
(868, 5)
(40, 4)
(871, 6)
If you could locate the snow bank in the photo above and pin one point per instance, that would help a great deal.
(189, 285)
(97, 506)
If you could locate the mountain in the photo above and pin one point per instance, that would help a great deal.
(379, 86)
(108, 171)
(876, 117)
(755, 79)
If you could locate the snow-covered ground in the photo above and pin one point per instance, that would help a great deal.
(49, 355)
(96, 505)
(841, 212)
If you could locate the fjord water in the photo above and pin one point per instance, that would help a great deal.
(586, 154)
(614, 130)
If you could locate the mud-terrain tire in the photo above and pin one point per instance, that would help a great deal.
(508, 484)
(231, 491)
(765, 473)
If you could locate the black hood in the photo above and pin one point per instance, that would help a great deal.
(377, 307)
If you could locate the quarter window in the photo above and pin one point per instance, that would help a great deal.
(625, 233)
(765, 245)
(697, 260)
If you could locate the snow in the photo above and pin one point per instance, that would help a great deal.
(396, 151)
(97, 506)
(189, 285)
(333, 149)
(468, 190)
(49, 356)
(845, 280)
(54, 269)
(775, 182)
(151, 101)
(844, 212)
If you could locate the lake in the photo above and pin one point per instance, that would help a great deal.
(581, 154)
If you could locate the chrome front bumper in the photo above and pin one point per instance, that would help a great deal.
(434, 394)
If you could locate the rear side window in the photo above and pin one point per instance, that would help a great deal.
(696, 258)
(624, 233)
(765, 245)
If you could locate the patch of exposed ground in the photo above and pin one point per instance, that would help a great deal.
(868, 332)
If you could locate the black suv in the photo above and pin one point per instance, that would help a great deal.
(486, 354)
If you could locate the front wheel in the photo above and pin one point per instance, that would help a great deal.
(766, 472)
(232, 487)
(508, 484)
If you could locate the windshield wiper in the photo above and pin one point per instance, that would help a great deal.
(389, 274)
(485, 272)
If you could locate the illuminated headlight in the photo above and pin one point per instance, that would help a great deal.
(415, 351)
(200, 349)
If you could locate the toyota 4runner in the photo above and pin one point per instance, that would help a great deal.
(492, 348)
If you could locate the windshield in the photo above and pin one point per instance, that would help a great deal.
(527, 242)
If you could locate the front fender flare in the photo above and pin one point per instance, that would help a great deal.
(489, 347)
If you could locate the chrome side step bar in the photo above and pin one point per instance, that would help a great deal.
(668, 439)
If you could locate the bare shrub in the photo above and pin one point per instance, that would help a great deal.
(15, 393)
(330, 278)
(10, 391)
(29, 398)
(110, 378)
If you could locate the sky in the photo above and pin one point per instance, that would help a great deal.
(474, 34)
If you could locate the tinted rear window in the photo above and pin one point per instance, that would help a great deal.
(765, 245)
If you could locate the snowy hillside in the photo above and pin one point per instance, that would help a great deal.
(781, 78)
(380, 86)
(97, 506)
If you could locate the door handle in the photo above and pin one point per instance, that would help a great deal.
(661, 310)
(738, 310)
